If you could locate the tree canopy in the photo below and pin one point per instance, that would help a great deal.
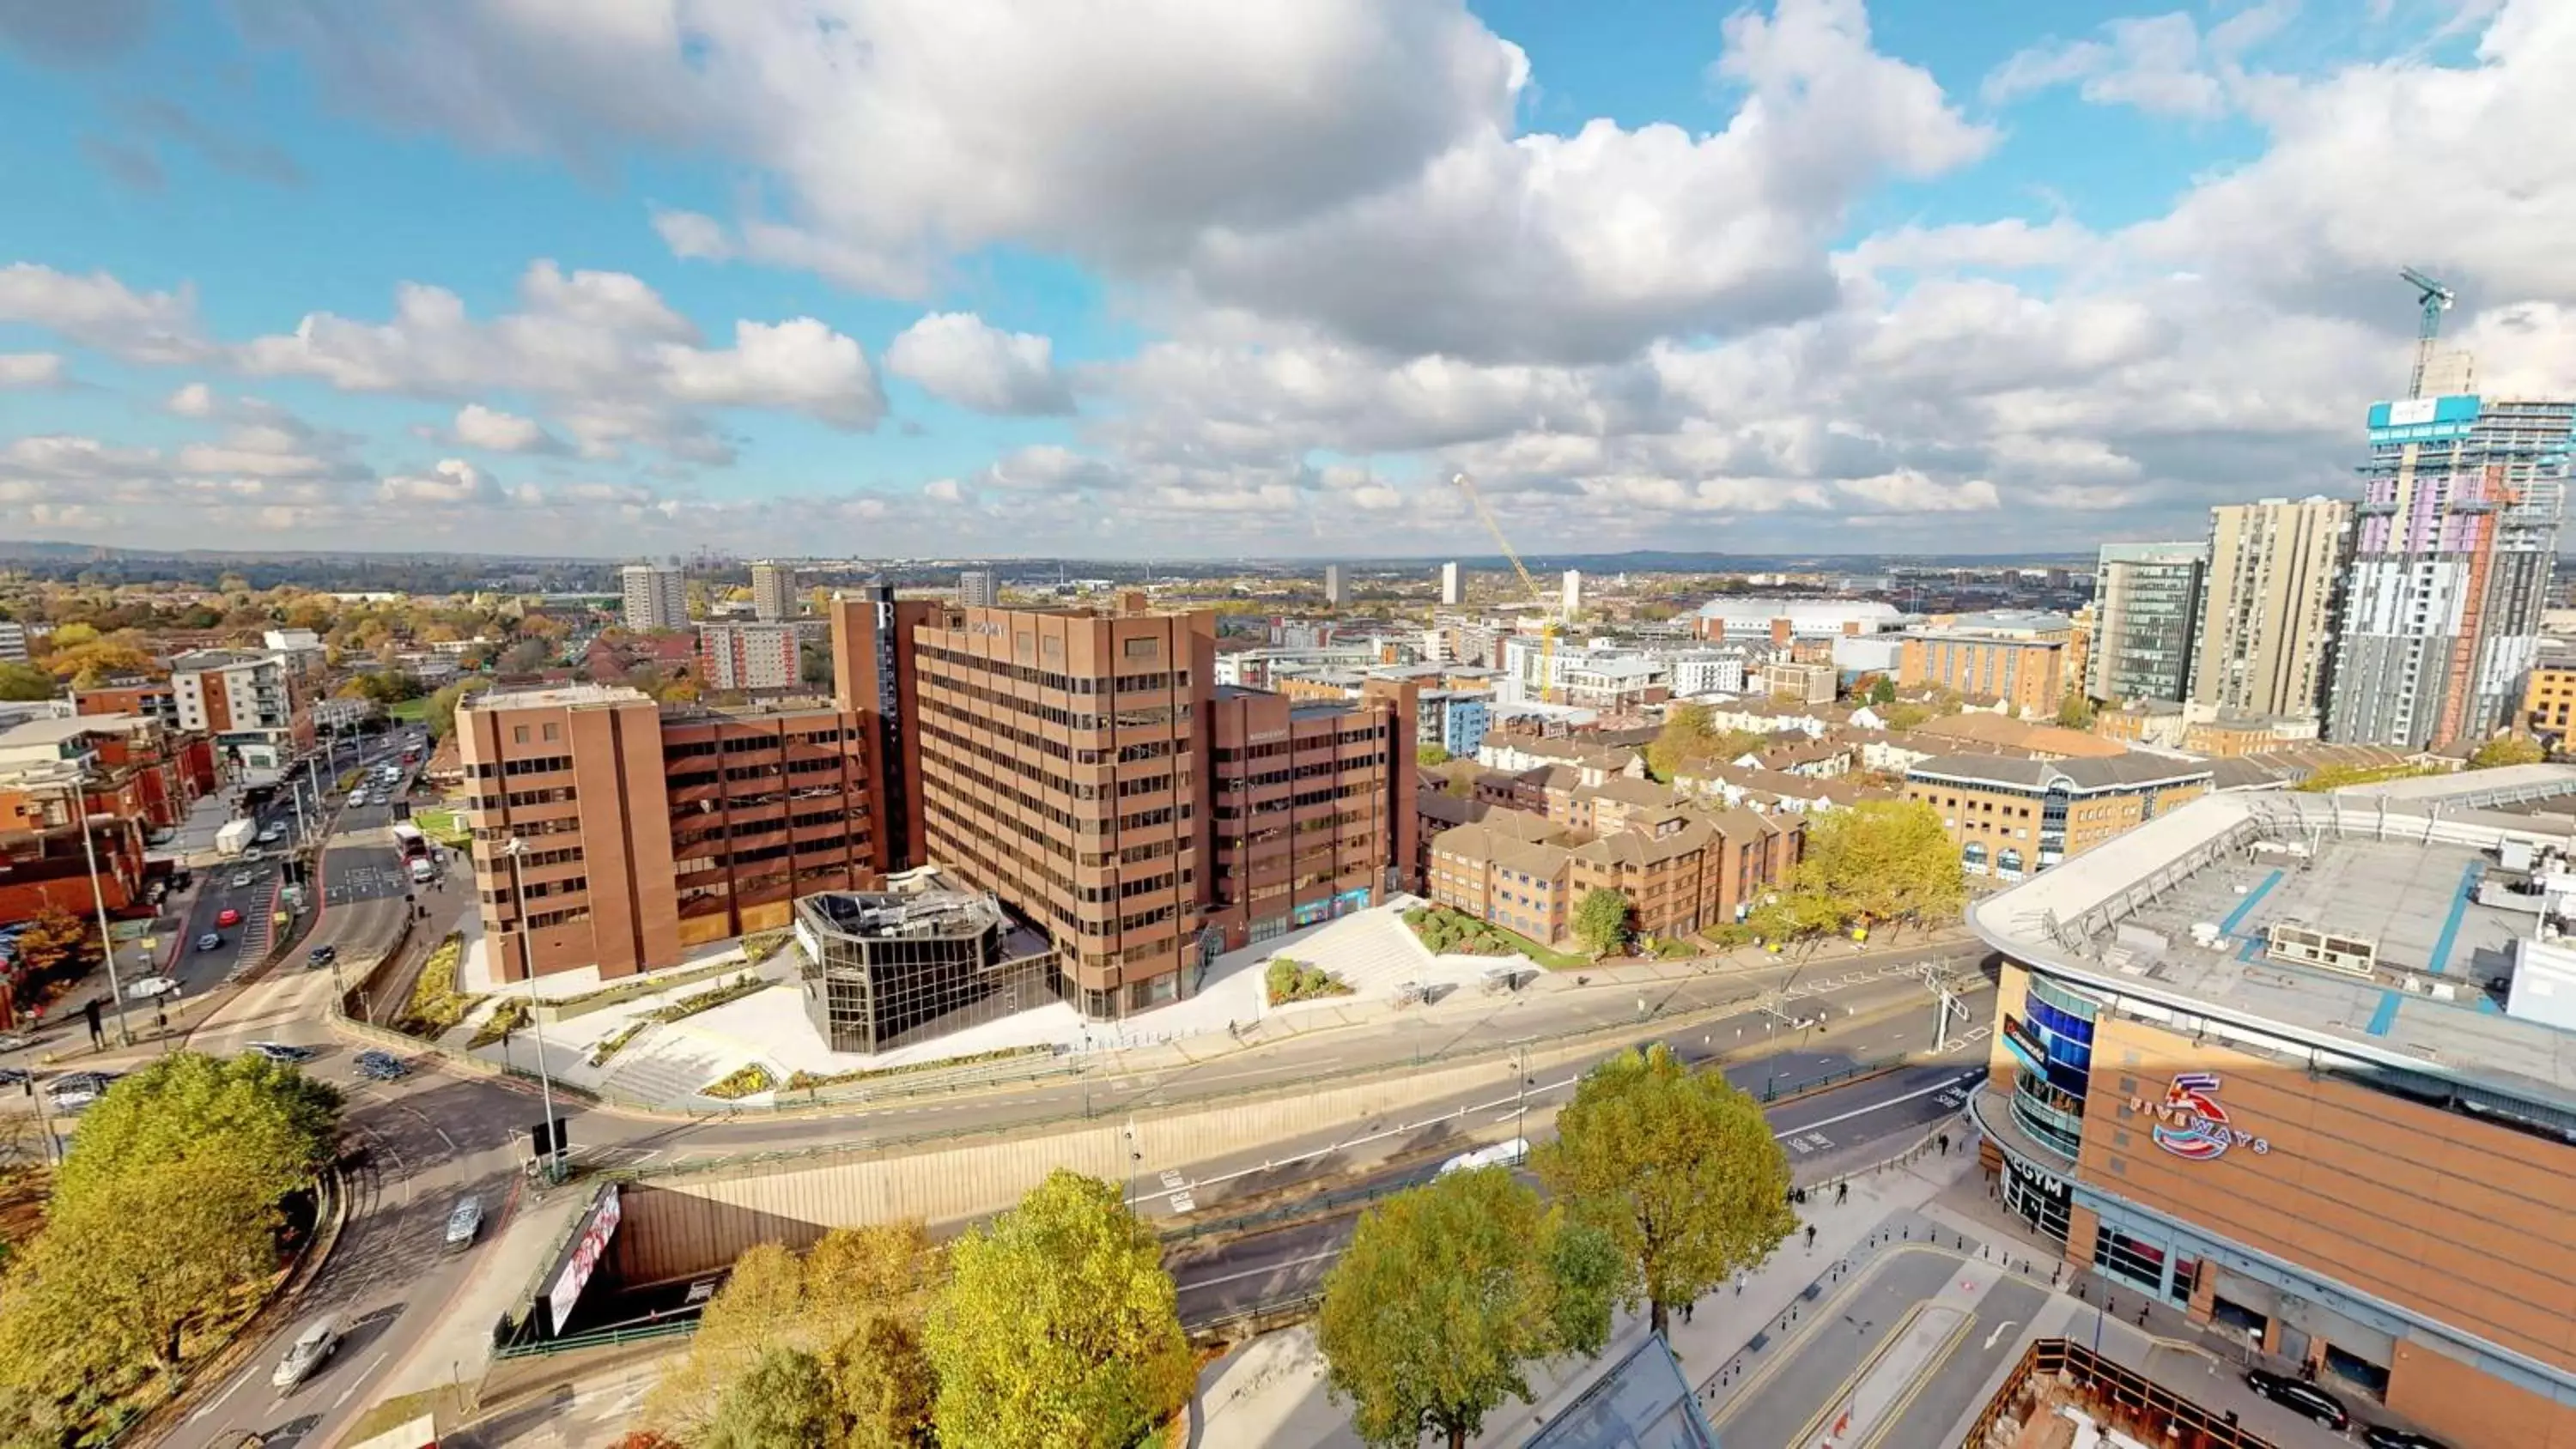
(1879, 862)
(1601, 921)
(1059, 1326)
(783, 1402)
(2507, 750)
(1678, 1167)
(1690, 741)
(441, 712)
(25, 681)
(1448, 1292)
(2075, 712)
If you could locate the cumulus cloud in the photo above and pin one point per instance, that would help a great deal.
(99, 311)
(195, 400)
(2161, 64)
(31, 369)
(451, 481)
(961, 358)
(480, 427)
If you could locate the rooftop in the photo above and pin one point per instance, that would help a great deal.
(39, 732)
(561, 696)
(2124, 771)
(2397, 869)
(903, 915)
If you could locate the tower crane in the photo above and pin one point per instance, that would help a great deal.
(1553, 623)
(2435, 299)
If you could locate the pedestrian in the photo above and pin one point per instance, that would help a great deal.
(2142, 1315)
(1811, 1237)
(1686, 1309)
(97, 1036)
(1842, 1193)
(1945, 1144)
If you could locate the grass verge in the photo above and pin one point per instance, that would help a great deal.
(616, 1042)
(1447, 932)
(709, 1000)
(808, 1081)
(436, 1004)
(511, 1015)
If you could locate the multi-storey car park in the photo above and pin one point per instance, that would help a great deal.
(2302, 1064)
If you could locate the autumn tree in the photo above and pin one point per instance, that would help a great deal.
(1601, 921)
(2507, 750)
(1882, 691)
(1448, 1292)
(56, 944)
(1432, 755)
(1881, 862)
(1678, 1167)
(25, 681)
(783, 1402)
(1058, 1326)
(2075, 712)
(441, 713)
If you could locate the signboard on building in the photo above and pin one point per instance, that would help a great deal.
(2025, 1044)
(589, 1247)
(2191, 1123)
(2423, 419)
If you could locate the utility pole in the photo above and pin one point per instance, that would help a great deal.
(98, 901)
(1944, 1002)
(514, 848)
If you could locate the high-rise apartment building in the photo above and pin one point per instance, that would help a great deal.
(976, 589)
(1453, 585)
(2267, 614)
(13, 640)
(1572, 602)
(258, 707)
(2146, 599)
(2455, 537)
(773, 591)
(646, 830)
(750, 657)
(1337, 586)
(655, 597)
(1310, 807)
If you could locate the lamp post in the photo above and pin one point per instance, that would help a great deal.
(514, 847)
(79, 801)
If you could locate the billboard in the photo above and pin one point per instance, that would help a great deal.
(582, 1259)
(2423, 419)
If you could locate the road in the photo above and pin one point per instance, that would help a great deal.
(1853, 1119)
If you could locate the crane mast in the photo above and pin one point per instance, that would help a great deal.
(1548, 630)
(2435, 299)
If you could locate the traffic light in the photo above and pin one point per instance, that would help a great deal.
(537, 1138)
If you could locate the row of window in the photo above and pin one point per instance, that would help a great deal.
(1051, 679)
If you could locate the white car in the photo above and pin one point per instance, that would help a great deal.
(149, 987)
(306, 1353)
(357, 798)
(76, 1090)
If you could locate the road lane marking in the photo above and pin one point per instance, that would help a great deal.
(1865, 1111)
(351, 1391)
(1259, 1272)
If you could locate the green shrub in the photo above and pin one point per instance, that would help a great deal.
(511, 1015)
(809, 1081)
(743, 1081)
(759, 946)
(436, 1005)
(708, 1000)
(616, 1042)
(1298, 981)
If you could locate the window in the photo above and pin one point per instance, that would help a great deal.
(518, 734)
(554, 731)
(1141, 648)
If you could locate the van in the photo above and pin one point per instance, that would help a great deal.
(423, 871)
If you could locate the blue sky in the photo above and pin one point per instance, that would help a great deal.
(947, 277)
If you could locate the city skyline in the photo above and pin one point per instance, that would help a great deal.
(1893, 275)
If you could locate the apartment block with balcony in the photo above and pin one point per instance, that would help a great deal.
(1311, 808)
(258, 707)
(1059, 757)
(749, 658)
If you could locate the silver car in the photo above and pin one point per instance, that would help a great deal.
(463, 1223)
(313, 1344)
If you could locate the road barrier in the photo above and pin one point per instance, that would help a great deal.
(600, 1338)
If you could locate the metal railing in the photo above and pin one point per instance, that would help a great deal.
(600, 1338)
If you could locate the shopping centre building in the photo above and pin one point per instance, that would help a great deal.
(2302, 1065)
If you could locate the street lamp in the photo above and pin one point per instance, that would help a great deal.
(514, 847)
(79, 802)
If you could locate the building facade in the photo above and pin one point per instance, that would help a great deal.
(1453, 585)
(1777, 621)
(1311, 808)
(773, 592)
(2266, 639)
(1337, 586)
(2316, 1154)
(2017, 658)
(2456, 535)
(2014, 818)
(2146, 602)
(749, 657)
(977, 589)
(885, 969)
(257, 707)
(1791, 682)
(2548, 698)
(652, 596)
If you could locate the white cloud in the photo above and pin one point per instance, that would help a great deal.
(480, 427)
(100, 311)
(452, 481)
(195, 400)
(31, 369)
(961, 358)
(799, 366)
(2161, 64)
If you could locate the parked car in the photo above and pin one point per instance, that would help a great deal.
(381, 1066)
(274, 833)
(312, 1345)
(463, 1222)
(2299, 1397)
(321, 956)
(228, 917)
(357, 799)
(75, 1090)
(2381, 1436)
(280, 1052)
(147, 987)
(15, 1076)
(211, 941)
(244, 879)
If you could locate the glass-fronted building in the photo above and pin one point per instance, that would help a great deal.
(884, 969)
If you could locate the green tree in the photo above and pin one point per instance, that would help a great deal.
(441, 713)
(264, 1124)
(1601, 921)
(119, 1278)
(1427, 755)
(1882, 691)
(2075, 711)
(2507, 750)
(1678, 1167)
(1680, 743)
(883, 1381)
(1058, 1326)
(1448, 1292)
(784, 1402)
(25, 681)
(1883, 862)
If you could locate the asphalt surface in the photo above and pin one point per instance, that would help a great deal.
(431, 1138)
(1269, 1267)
